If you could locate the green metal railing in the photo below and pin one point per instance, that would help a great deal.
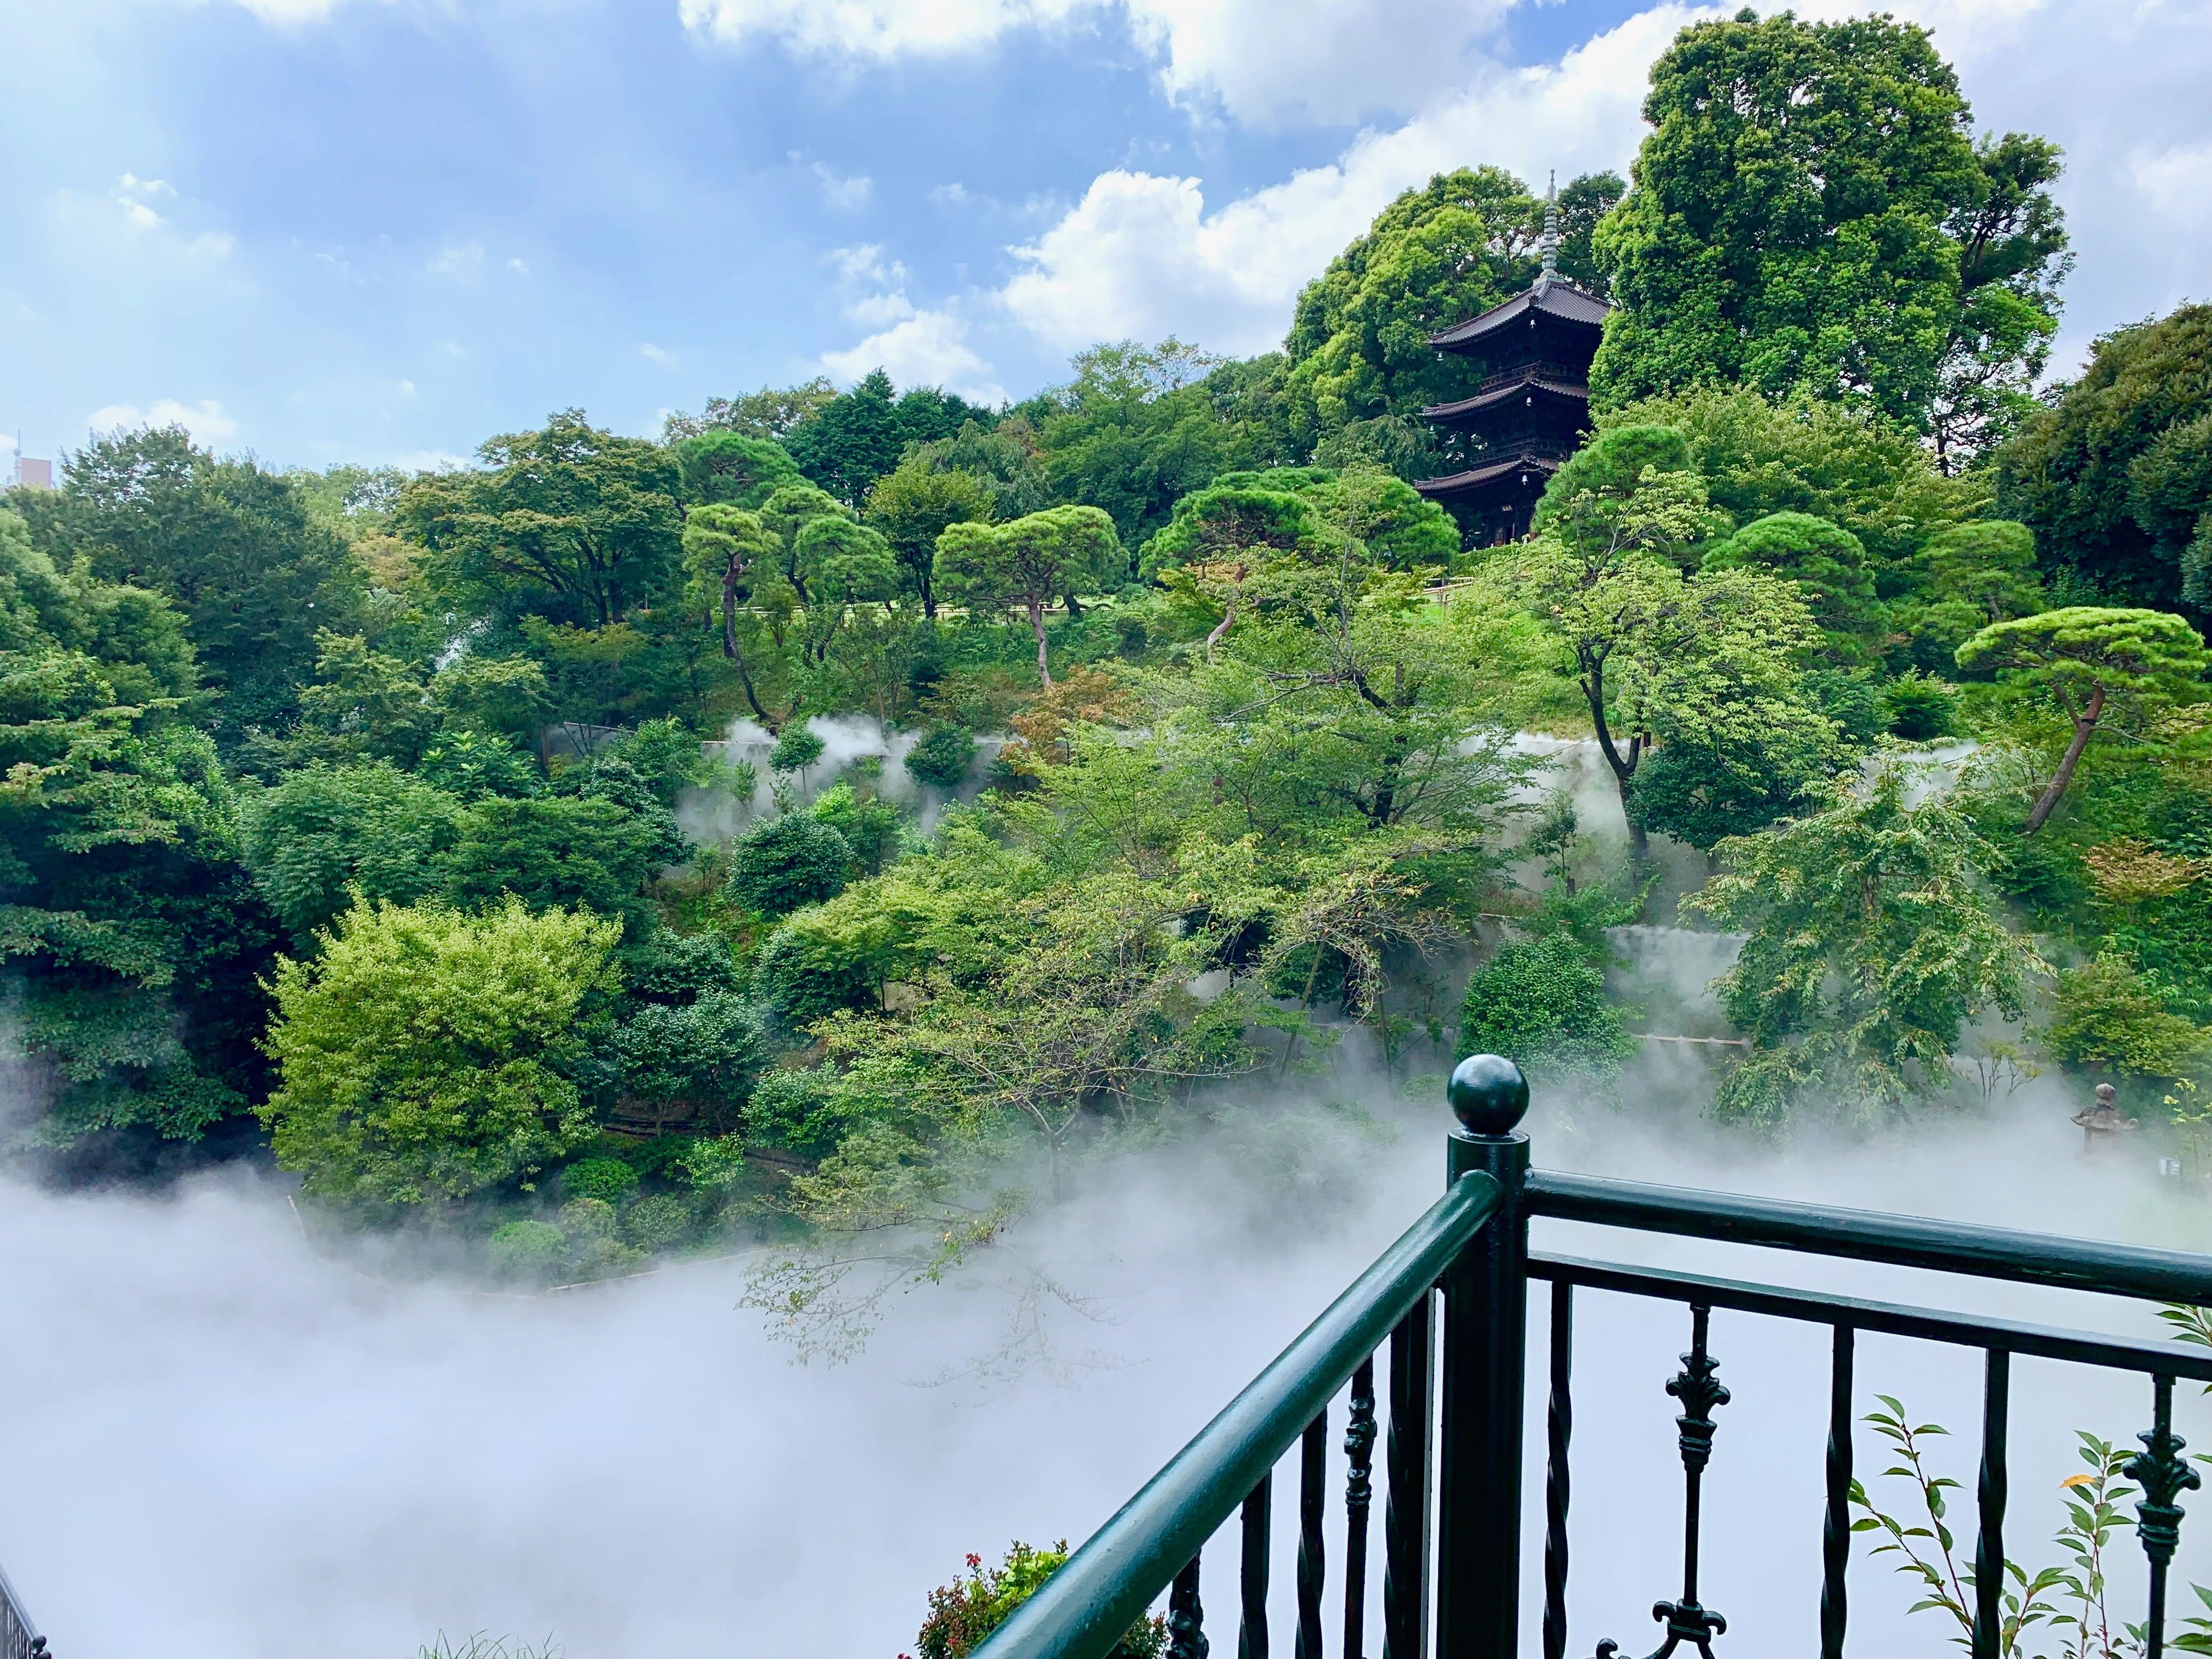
(1452, 1515)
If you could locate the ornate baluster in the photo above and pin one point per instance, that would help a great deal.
(1695, 1387)
(1186, 1618)
(1989, 1545)
(2158, 1468)
(1835, 1529)
(1252, 1584)
(1406, 1506)
(1358, 1494)
(1313, 1470)
(1559, 1424)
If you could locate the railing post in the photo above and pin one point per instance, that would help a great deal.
(1484, 1367)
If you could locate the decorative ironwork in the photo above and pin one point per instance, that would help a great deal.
(1252, 1579)
(1560, 1423)
(1836, 1525)
(2160, 1470)
(1313, 1470)
(1405, 1505)
(1701, 1393)
(1989, 1491)
(1186, 1617)
(1359, 1497)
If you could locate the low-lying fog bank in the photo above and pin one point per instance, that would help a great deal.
(223, 1443)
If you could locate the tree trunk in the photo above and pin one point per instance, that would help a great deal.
(2085, 727)
(1639, 845)
(1036, 627)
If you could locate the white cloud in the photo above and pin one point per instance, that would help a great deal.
(131, 184)
(843, 193)
(929, 348)
(1263, 62)
(1141, 255)
(654, 354)
(407, 388)
(952, 195)
(139, 214)
(206, 420)
(518, 267)
(877, 29)
(1269, 62)
(452, 349)
(463, 263)
(2176, 181)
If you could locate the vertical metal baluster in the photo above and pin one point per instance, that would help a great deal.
(1988, 1546)
(1359, 1495)
(1559, 1425)
(1313, 1471)
(1405, 1505)
(1700, 1393)
(1186, 1618)
(1252, 1626)
(1835, 1529)
(2163, 1476)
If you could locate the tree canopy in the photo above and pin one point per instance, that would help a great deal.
(1811, 214)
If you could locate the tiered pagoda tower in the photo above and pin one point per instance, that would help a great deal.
(1530, 409)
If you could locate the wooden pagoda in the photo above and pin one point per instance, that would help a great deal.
(1529, 408)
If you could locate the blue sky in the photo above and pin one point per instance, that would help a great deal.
(380, 230)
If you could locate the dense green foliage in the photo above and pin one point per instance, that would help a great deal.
(518, 847)
(1811, 214)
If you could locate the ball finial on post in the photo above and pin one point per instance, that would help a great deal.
(1488, 1095)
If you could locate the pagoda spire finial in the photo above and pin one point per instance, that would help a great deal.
(1550, 274)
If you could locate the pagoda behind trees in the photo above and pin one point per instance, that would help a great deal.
(1530, 409)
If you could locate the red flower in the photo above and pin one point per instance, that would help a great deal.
(974, 1560)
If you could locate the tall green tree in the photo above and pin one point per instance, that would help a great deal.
(726, 550)
(1872, 943)
(912, 504)
(1134, 431)
(1810, 213)
(2115, 477)
(2103, 668)
(235, 548)
(771, 412)
(1030, 562)
(733, 469)
(569, 523)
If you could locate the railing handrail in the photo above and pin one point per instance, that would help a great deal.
(2159, 1357)
(2079, 1264)
(21, 1636)
(1090, 1603)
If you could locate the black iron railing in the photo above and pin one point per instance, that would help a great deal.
(1452, 1520)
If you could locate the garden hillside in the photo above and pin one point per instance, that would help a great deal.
(832, 817)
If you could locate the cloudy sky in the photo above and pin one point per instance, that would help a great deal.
(383, 230)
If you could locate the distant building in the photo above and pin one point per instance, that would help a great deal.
(35, 474)
(1530, 409)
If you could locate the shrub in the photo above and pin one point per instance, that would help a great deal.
(942, 759)
(963, 1613)
(608, 1180)
(788, 862)
(528, 1248)
(588, 1217)
(1920, 707)
(656, 1222)
(1540, 999)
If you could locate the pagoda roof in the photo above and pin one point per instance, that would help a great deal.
(1489, 472)
(1568, 391)
(1554, 297)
